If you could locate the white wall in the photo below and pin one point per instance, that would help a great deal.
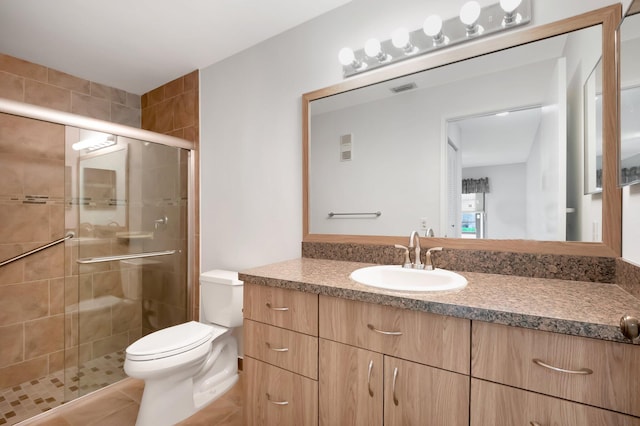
(505, 203)
(251, 195)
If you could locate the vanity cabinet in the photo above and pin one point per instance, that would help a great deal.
(499, 405)
(376, 366)
(281, 356)
(587, 371)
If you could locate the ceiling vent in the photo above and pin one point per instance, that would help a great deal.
(403, 88)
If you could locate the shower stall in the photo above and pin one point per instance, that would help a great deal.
(94, 238)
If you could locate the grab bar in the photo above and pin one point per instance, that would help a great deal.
(376, 214)
(87, 260)
(35, 250)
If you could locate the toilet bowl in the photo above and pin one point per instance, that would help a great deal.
(187, 366)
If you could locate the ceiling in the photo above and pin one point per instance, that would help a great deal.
(138, 45)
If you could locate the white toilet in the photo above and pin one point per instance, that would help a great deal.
(189, 365)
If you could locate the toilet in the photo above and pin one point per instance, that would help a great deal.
(189, 365)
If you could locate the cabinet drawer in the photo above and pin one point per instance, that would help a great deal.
(596, 372)
(498, 405)
(286, 349)
(435, 340)
(278, 397)
(284, 308)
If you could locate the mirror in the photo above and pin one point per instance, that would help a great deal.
(387, 158)
(630, 97)
(593, 131)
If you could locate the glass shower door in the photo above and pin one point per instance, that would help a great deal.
(131, 258)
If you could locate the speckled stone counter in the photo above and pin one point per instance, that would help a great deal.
(570, 307)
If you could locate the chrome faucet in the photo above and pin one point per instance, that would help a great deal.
(428, 265)
(415, 237)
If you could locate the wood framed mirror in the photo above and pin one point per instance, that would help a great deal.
(606, 241)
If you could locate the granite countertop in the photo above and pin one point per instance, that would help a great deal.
(570, 307)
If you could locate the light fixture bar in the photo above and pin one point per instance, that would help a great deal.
(493, 19)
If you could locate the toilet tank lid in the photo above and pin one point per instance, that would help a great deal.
(220, 276)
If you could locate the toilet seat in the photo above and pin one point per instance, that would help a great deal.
(173, 341)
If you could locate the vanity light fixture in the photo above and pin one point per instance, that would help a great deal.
(373, 49)
(473, 22)
(510, 15)
(348, 59)
(401, 39)
(94, 144)
(469, 15)
(433, 28)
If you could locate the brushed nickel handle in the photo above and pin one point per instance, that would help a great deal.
(277, 349)
(395, 378)
(276, 309)
(582, 371)
(276, 402)
(369, 378)
(387, 333)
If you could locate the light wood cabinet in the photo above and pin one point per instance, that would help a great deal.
(499, 405)
(290, 309)
(364, 381)
(283, 348)
(281, 356)
(362, 387)
(430, 339)
(313, 359)
(589, 371)
(278, 397)
(415, 394)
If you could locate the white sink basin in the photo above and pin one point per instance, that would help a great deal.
(395, 277)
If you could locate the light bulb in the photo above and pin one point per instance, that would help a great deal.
(509, 5)
(432, 25)
(372, 48)
(400, 38)
(470, 12)
(346, 56)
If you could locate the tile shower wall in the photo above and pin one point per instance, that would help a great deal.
(38, 85)
(35, 291)
(174, 109)
(31, 215)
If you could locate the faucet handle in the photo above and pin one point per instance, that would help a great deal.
(428, 265)
(407, 260)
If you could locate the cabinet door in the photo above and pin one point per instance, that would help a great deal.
(498, 405)
(278, 397)
(416, 394)
(350, 387)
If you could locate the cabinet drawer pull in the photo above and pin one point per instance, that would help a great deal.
(395, 378)
(276, 402)
(277, 349)
(582, 371)
(369, 378)
(534, 424)
(387, 333)
(276, 309)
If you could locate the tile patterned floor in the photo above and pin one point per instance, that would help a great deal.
(118, 405)
(37, 396)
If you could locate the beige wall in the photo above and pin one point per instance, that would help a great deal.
(38, 85)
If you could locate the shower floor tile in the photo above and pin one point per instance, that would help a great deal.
(31, 398)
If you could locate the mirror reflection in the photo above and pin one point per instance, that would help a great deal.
(406, 147)
(630, 100)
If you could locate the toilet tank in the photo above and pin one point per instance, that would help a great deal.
(221, 297)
